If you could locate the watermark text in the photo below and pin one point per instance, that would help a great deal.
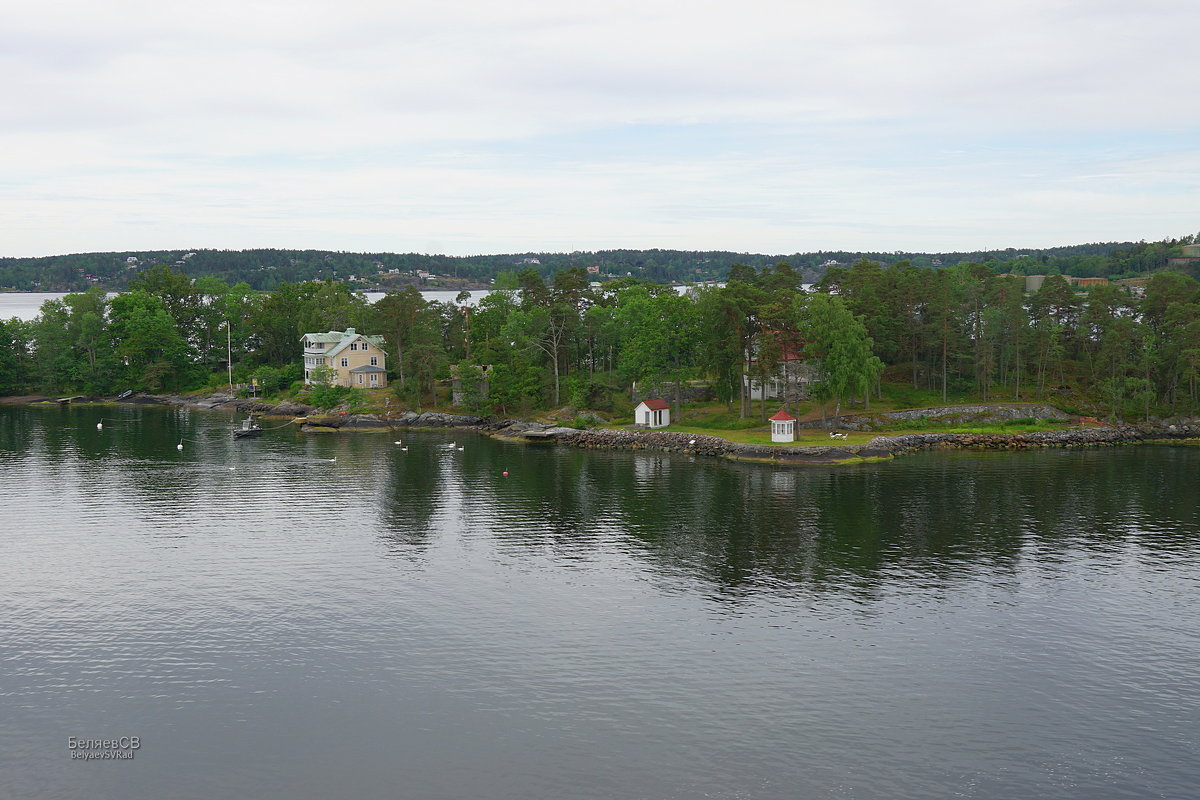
(121, 748)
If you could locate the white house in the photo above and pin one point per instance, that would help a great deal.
(652, 413)
(783, 427)
(793, 376)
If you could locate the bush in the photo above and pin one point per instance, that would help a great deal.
(333, 396)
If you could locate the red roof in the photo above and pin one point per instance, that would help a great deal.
(783, 416)
(656, 405)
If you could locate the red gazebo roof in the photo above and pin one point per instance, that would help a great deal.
(656, 405)
(783, 416)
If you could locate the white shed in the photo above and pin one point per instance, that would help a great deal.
(783, 427)
(652, 413)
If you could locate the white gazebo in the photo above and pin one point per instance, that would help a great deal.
(783, 427)
(652, 413)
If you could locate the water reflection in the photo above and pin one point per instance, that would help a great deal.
(591, 625)
(937, 516)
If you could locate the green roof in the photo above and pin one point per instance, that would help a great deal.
(341, 338)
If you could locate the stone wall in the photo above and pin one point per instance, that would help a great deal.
(944, 415)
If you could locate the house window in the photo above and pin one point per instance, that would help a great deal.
(345, 362)
(354, 345)
(364, 347)
(374, 361)
(374, 379)
(360, 379)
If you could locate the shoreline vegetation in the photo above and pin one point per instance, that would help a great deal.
(881, 445)
(859, 350)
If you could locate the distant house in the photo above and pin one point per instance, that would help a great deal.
(1189, 260)
(793, 376)
(652, 413)
(356, 360)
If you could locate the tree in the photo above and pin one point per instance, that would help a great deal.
(152, 353)
(15, 355)
(839, 339)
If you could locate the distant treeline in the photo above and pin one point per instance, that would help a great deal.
(266, 269)
(965, 330)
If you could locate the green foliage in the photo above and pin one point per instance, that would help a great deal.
(330, 396)
(951, 334)
(272, 380)
(16, 359)
(474, 399)
(268, 269)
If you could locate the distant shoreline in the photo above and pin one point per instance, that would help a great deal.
(884, 447)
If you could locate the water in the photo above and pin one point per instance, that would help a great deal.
(27, 305)
(334, 617)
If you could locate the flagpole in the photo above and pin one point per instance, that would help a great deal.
(229, 355)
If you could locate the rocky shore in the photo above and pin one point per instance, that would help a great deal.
(879, 448)
(317, 420)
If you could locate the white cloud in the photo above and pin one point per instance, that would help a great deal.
(362, 125)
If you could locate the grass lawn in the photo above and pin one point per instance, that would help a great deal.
(716, 420)
(807, 437)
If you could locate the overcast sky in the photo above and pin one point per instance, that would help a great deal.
(485, 127)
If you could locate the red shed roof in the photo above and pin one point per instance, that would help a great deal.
(783, 416)
(656, 404)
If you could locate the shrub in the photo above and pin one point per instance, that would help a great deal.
(334, 396)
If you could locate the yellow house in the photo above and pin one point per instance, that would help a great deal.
(356, 360)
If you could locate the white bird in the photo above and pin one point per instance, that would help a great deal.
(398, 441)
(404, 449)
(99, 426)
(179, 446)
(333, 459)
(461, 449)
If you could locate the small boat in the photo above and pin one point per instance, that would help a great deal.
(248, 430)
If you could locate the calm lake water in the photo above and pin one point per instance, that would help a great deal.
(327, 616)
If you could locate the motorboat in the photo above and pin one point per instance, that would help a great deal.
(250, 429)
